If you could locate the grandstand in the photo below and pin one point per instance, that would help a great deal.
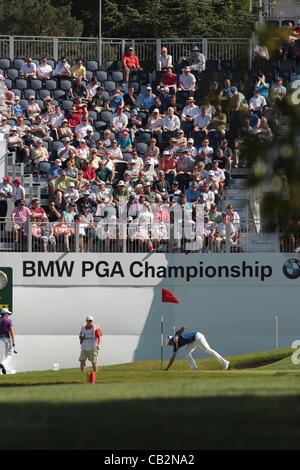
(78, 138)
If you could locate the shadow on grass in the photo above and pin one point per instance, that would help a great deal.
(194, 423)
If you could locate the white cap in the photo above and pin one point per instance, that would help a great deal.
(5, 311)
(156, 110)
(89, 318)
(168, 338)
(72, 184)
(191, 141)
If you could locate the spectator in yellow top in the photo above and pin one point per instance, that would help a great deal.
(79, 70)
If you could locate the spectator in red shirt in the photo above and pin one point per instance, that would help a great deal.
(130, 63)
(88, 171)
(167, 163)
(74, 117)
(169, 79)
(36, 210)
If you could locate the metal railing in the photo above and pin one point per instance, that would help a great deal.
(109, 49)
(282, 10)
(134, 237)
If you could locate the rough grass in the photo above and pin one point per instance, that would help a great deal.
(146, 370)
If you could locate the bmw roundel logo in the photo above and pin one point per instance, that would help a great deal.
(291, 268)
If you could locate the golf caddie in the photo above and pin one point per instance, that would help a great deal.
(89, 337)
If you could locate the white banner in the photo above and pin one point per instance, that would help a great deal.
(153, 270)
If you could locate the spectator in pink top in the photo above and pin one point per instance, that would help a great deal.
(20, 216)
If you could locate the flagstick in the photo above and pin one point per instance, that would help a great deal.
(174, 332)
(161, 338)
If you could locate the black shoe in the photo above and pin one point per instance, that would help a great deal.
(3, 369)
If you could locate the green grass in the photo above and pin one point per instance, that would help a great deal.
(137, 406)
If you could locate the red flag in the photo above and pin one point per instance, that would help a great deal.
(168, 296)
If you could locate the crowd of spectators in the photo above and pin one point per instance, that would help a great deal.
(102, 139)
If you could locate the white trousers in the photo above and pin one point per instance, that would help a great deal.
(6, 351)
(200, 342)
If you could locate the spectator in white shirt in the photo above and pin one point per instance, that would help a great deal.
(218, 174)
(28, 69)
(170, 122)
(62, 69)
(91, 88)
(202, 121)
(197, 60)
(120, 120)
(187, 81)
(115, 151)
(208, 151)
(190, 148)
(189, 112)
(164, 60)
(221, 233)
(234, 218)
(208, 195)
(82, 128)
(44, 70)
(4, 127)
(257, 101)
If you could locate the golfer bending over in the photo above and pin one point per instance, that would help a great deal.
(192, 340)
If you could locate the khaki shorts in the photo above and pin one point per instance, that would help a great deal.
(90, 355)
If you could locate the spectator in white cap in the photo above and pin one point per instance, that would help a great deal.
(4, 127)
(71, 194)
(154, 123)
(257, 101)
(121, 193)
(89, 337)
(33, 108)
(16, 108)
(190, 148)
(165, 97)
(147, 100)
(189, 112)
(7, 338)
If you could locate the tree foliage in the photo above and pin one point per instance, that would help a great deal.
(38, 18)
(130, 18)
(164, 18)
